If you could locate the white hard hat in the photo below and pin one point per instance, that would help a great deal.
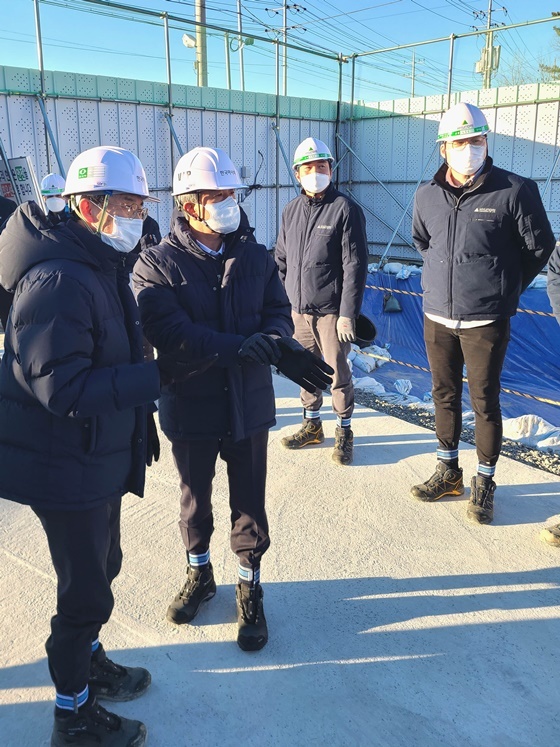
(311, 150)
(52, 184)
(107, 169)
(462, 121)
(205, 169)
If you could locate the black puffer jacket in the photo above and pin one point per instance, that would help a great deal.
(480, 249)
(212, 304)
(73, 386)
(321, 253)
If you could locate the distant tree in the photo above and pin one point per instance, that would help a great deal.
(552, 72)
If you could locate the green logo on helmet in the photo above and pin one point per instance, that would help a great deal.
(82, 173)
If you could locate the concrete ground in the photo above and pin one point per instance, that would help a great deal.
(391, 622)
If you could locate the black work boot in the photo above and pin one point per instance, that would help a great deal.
(110, 681)
(252, 632)
(343, 446)
(444, 481)
(311, 432)
(551, 535)
(198, 588)
(480, 509)
(93, 726)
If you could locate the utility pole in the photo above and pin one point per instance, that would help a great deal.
(487, 79)
(490, 56)
(240, 31)
(285, 55)
(201, 54)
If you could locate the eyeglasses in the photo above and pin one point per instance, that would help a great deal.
(460, 144)
(123, 209)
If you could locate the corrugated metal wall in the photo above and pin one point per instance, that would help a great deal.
(393, 140)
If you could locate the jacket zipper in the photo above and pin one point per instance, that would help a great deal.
(307, 207)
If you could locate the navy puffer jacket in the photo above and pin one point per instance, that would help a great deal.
(212, 304)
(480, 249)
(73, 386)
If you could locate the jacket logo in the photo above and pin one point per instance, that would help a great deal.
(324, 227)
(485, 210)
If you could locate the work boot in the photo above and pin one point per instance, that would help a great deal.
(343, 446)
(551, 535)
(480, 509)
(198, 588)
(311, 432)
(93, 726)
(110, 681)
(252, 632)
(444, 481)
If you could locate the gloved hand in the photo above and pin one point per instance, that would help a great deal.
(179, 366)
(152, 441)
(346, 329)
(302, 366)
(260, 348)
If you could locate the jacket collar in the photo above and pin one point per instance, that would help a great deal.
(330, 194)
(441, 181)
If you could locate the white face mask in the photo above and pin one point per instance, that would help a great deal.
(315, 182)
(224, 217)
(466, 161)
(55, 204)
(127, 232)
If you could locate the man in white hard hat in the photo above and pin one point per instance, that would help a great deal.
(208, 285)
(321, 253)
(75, 433)
(52, 189)
(484, 235)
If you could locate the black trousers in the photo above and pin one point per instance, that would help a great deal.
(246, 469)
(483, 350)
(86, 554)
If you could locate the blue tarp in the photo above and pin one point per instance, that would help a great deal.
(532, 365)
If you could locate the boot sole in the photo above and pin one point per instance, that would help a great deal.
(301, 446)
(251, 644)
(437, 497)
(170, 615)
(475, 519)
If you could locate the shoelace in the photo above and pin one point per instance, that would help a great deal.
(250, 607)
(482, 496)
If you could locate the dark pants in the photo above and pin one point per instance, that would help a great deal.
(246, 469)
(86, 555)
(318, 334)
(483, 350)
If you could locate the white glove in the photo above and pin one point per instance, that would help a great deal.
(346, 329)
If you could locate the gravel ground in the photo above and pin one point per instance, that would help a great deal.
(547, 461)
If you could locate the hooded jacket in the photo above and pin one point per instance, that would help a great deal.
(73, 386)
(212, 304)
(322, 254)
(481, 248)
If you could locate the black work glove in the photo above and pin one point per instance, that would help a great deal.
(302, 366)
(152, 439)
(179, 366)
(260, 348)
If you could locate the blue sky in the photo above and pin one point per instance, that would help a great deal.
(81, 37)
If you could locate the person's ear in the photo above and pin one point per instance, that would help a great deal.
(442, 151)
(85, 208)
(188, 209)
(297, 175)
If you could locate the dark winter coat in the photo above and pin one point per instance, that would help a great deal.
(481, 249)
(212, 304)
(73, 386)
(322, 254)
(7, 207)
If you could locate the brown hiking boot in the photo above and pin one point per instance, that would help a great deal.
(311, 432)
(481, 503)
(551, 535)
(444, 481)
(343, 446)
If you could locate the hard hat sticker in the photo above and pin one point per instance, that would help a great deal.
(91, 172)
